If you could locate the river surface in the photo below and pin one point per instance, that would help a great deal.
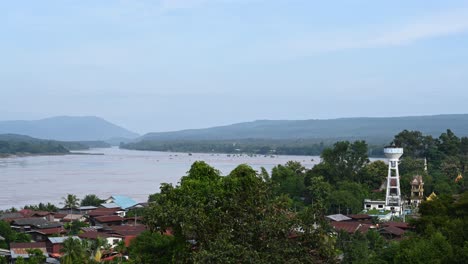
(137, 174)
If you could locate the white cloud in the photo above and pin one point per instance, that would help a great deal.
(438, 25)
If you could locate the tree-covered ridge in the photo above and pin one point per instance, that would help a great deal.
(373, 130)
(11, 144)
(249, 146)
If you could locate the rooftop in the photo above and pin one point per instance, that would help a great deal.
(59, 240)
(393, 230)
(11, 216)
(49, 231)
(351, 227)
(122, 201)
(103, 211)
(89, 207)
(360, 216)
(126, 230)
(338, 217)
(20, 249)
(108, 218)
(95, 235)
(110, 205)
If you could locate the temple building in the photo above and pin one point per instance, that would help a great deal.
(417, 190)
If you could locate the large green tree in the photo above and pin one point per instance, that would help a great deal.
(91, 200)
(234, 219)
(344, 161)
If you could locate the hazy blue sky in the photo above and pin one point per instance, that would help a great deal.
(174, 64)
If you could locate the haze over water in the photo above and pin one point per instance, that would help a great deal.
(30, 180)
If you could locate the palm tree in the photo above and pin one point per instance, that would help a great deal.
(120, 248)
(71, 201)
(97, 245)
(73, 251)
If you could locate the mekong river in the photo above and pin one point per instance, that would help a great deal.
(137, 174)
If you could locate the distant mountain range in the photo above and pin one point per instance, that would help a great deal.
(68, 128)
(371, 129)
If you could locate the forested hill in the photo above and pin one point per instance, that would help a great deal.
(67, 128)
(11, 144)
(375, 130)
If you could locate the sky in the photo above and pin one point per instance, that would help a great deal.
(162, 65)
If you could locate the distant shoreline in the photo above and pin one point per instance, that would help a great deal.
(22, 155)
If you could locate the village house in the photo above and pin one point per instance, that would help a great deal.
(121, 201)
(107, 220)
(18, 250)
(30, 223)
(41, 235)
(55, 244)
(112, 239)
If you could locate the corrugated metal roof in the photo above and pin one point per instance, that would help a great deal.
(11, 216)
(89, 207)
(393, 230)
(360, 216)
(34, 221)
(49, 231)
(103, 211)
(59, 240)
(351, 227)
(123, 201)
(108, 218)
(110, 205)
(20, 249)
(338, 217)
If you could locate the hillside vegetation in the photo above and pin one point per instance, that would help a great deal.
(370, 129)
(67, 128)
(13, 144)
(297, 137)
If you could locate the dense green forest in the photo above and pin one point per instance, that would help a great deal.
(11, 144)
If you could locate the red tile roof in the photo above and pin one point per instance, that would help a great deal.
(127, 230)
(40, 213)
(397, 224)
(28, 245)
(104, 211)
(351, 226)
(26, 212)
(360, 216)
(50, 231)
(21, 248)
(393, 230)
(95, 235)
(108, 218)
(59, 215)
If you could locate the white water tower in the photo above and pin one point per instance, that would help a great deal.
(393, 196)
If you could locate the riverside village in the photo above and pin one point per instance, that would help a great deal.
(112, 225)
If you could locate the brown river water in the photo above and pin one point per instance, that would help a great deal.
(137, 174)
